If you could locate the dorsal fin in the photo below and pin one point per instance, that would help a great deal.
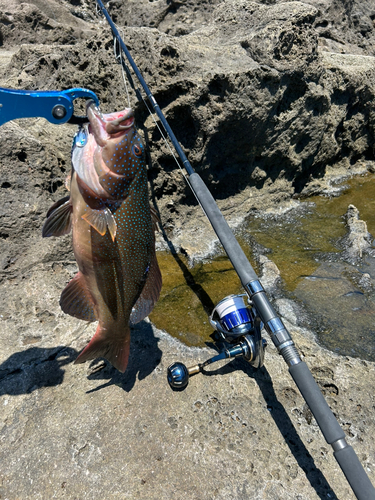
(59, 221)
(76, 299)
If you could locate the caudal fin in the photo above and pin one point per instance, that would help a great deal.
(100, 346)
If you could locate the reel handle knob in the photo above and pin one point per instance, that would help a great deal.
(178, 375)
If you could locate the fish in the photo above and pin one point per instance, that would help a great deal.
(113, 229)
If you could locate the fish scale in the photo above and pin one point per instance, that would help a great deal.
(119, 279)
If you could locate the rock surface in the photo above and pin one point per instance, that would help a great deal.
(269, 99)
(90, 432)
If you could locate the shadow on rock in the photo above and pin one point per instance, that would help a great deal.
(284, 424)
(26, 371)
(145, 356)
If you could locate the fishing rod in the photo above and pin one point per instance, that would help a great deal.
(241, 325)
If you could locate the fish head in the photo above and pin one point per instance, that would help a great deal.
(115, 133)
(107, 151)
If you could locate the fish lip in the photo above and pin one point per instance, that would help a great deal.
(123, 122)
(90, 104)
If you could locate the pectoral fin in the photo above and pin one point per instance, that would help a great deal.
(150, 293)
(100, 220)
(59, 221)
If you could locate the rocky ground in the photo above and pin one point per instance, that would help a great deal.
(270, 100)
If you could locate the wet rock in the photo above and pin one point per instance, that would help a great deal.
(362, 279)
(270, 277)
(366, 282)
(358, 240)
(287, 309)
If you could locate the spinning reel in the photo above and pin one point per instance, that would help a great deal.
(235, 323)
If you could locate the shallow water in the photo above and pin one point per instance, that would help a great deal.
(304, 245)
(343, 314)
(188, 296)
(300, 237)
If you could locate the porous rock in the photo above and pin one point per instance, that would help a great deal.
(76, 431)
(263, 108)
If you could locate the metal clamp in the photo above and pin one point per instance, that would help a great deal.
(56, 106)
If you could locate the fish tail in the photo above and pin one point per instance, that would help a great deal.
(116, 351)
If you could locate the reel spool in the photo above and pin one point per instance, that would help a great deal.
(236, 324)
(234, 319)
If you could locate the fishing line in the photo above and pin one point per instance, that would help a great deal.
(165, 140)
(118, 53)
(172, 152)
(185, 162)
(174, 156)
(118, 57)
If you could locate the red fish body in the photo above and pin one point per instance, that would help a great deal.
(108, 210)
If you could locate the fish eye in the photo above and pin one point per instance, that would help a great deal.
(80, 139)
(137, 151)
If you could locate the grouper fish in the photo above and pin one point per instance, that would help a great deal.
(113, 226)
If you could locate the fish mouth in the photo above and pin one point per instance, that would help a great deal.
(111, 124)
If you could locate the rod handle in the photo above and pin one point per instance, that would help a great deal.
(332, 432)
(355, 473)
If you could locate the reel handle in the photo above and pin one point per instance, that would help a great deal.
(178, 374)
